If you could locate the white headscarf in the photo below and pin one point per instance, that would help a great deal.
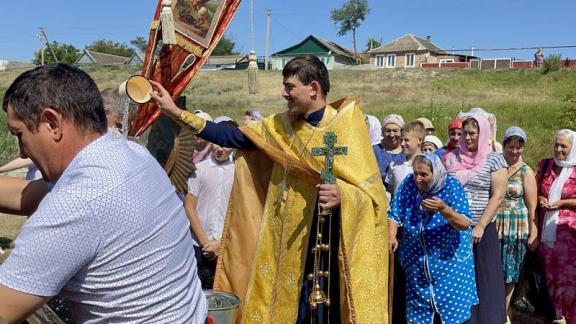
(551, 218)
(432, 139)
(375, 129)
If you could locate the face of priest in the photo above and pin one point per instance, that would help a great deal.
(221, 154)
(300, 97)
(422, 175)
(33, 144)
(562, 147)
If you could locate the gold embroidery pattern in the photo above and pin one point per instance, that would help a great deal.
(266, 269)
(256, 317)
(196, 123)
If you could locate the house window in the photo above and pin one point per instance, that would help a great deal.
(410, 60)
(380, 61)
(391, 60)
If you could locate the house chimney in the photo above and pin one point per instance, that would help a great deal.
(429, 38)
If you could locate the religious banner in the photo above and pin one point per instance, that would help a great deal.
(198, 26)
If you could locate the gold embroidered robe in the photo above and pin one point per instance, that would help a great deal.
(265, 239)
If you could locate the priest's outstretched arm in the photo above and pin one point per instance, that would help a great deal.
(218, 134)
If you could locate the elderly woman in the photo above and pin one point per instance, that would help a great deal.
(483, 175)
(431, 144)
(436, 248)
(389, 149)
(515, 220)
(557, 200)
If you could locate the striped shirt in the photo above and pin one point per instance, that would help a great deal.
(478, 188)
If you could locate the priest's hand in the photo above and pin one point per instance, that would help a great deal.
(329, 195)
(162, 98)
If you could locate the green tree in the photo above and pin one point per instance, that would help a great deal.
(349, 17)
(110, 47)
(372, 43)
(140, 43)
(225, 47)
(65, 53)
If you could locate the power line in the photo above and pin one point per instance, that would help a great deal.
(511, 48)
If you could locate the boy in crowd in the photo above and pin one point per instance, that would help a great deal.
(411, 141)
(206, 204)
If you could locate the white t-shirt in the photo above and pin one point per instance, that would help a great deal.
(113, 238)
(396, 174)
(211, 184)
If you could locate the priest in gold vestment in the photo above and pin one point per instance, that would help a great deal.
(265, 245)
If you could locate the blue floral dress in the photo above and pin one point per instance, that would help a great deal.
(437, 258)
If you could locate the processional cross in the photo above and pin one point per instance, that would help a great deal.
(329, 151)
(319, 295)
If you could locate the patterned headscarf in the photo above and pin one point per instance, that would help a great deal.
(375, 129)
(466, 164)
(439, 174)
(393, 119)
(551, 218)
(515, 131)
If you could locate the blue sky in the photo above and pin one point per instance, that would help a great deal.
(453, 24)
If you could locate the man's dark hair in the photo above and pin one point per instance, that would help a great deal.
(64, 88)
(308, 68)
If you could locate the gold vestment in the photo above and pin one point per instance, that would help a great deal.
(265, 239)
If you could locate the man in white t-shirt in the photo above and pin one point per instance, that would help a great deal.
(206, 204)
(111, 237)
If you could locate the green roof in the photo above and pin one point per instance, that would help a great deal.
(313, 45)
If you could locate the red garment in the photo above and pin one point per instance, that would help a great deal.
(560, 262)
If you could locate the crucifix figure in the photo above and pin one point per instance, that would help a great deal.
(321, 249)
(329, 151)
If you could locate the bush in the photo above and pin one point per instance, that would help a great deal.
(552, 63)
(569, 111)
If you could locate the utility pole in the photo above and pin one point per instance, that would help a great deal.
(266, 54)
(252, 58)
(44, 42)
(251, 25)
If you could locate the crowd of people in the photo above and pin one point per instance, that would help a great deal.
(463, 252)
(457, 218)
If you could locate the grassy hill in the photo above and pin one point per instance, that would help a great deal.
(528, 99)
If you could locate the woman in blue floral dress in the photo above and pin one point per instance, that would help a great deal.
(436, 248)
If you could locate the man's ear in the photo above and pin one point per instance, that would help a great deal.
(315, 88)
(52, 119)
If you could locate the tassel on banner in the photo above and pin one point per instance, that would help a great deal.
(167, 24)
